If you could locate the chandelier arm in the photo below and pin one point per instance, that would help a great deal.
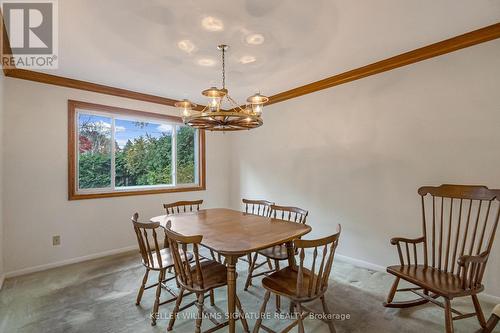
(233, 102)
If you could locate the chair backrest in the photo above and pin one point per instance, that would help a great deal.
(189, 274)
(182, 206)
(258, 207)
(292, 214)
(458, 220)
(147, 238)
(317, 264)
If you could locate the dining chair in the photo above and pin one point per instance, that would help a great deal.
(198, 277)
(303, 283)
(260, 208)
(459, 223)
(154, 258)
(185, 206)
(279, 252)
(182, 206)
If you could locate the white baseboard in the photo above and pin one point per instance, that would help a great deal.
(44, 267)
(364, 264)
(360, 263)
(489, 298)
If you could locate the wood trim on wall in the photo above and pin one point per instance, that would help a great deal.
(72, 148)
(430, 51)
(468, 39)
(88, 86)
(61, 81)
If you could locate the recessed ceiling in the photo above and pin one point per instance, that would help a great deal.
(168, 48)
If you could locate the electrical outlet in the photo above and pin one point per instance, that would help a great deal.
(56, 240)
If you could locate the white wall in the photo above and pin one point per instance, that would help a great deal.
(35, 170)
(2, 101)
(355, 154)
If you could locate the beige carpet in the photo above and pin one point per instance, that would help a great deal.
(99, 296)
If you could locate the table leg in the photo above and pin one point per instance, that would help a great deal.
(231, 291)
(291, 254)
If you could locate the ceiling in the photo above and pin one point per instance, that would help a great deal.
(135, 44)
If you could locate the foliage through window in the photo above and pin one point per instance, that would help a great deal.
(123, 152)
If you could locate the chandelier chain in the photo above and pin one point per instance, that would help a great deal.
(223, 68)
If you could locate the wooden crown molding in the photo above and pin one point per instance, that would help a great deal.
(89, 86)
(73, 83)
(430, 51)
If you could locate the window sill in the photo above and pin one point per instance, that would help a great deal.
(82, 196)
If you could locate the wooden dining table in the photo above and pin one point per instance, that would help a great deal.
(234, 234)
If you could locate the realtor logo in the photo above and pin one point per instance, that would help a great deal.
(31, 28)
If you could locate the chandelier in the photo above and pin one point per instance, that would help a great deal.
(213, 118)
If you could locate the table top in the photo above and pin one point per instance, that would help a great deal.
(233, 232)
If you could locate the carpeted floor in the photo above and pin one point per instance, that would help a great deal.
(99, 296)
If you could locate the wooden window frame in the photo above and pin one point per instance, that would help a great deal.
(73, 193)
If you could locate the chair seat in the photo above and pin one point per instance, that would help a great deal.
(284, 282)
(432, 279)
(166, 259)
(214, 275)
(278, 252)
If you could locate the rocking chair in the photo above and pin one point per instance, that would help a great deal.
(459, 225)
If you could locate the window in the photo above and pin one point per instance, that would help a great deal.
(116, 152)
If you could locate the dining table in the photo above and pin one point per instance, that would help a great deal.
(234, 234)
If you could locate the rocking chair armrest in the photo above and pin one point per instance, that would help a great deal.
(396, 240)
(466, 260)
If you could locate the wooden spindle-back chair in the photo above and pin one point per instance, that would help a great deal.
(279, 252)
(258, 207)
(154, 258)
(459, 223)
(185, 206)
(292, 214)
(198, 277)
(182, 207)
(305, 282)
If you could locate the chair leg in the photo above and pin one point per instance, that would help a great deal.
(143, 285)
(479, 311)
(212, 298)
(242, 315)
(490, 325)
(249, 258)
(154, 315)
(327, 312)
(269, 263)
(300, 319)
(448, 316)
(278, 298)
(392, 292)
(250, 272)
(176, 310)
(199, 304)
(262, 312)
(292, 307)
